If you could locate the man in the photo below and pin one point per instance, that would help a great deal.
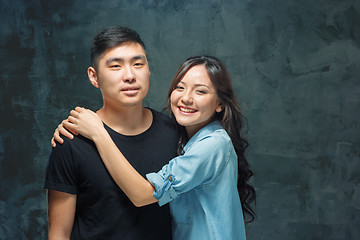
(83, 200)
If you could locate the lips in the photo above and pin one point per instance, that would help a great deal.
(187, 110)
(130, 91)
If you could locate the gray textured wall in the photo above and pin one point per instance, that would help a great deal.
(295, 65)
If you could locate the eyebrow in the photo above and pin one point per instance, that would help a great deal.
(202, 85)
(119, 59)
(196, 85)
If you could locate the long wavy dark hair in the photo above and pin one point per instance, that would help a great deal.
(231, 118)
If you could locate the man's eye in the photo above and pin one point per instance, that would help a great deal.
(115, 66)
(138, 64)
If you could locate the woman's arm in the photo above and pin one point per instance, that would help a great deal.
(136, 188)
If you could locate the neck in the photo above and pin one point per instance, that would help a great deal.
(127, 120)
(190, 132)
(193, 129)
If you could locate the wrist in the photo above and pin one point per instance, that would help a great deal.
(99, 134)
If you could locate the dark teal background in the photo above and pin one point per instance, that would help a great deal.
(295, 66)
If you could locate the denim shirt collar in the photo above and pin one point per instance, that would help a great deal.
(206, 130)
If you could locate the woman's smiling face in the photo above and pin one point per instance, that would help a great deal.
(194, 101)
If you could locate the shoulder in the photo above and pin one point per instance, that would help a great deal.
(219, 135)
(71, 153)
(70, 144)
(161, 116)
(212, 148)
(213, 137)
(163, 120)
(210, 153)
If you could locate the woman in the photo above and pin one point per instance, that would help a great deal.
(206, 184)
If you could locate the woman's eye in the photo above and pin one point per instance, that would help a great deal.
(179, 88)
(201, 91)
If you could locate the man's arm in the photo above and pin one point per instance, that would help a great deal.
(61, 214)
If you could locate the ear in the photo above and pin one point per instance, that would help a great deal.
(93, 77)
(219, 108)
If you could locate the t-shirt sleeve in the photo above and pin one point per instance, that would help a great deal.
(200, 165)
(60, 170)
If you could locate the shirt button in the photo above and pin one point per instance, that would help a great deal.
(170, 178)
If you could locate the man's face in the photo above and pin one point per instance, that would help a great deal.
(123, 75)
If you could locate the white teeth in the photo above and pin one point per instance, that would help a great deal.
(186, 110)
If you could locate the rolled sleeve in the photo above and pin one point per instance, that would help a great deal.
(198, 166)
(164, 191)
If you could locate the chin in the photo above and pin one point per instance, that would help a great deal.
(183, 123)
(134, 101)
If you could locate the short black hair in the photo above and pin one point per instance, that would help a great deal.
(111, 37)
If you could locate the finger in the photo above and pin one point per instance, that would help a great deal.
(79, 109)
(71, 119)
(74, 132)
(57, 137)
(53, 143)
(64, 131)
(62, 128)
(74, 113)
(70, 127)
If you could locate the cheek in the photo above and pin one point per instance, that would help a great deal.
(144, 78)
(174, 100)
(106, 79)
(146, 84)
(208, 106)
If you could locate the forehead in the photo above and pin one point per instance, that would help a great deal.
(124, 51)
(197, 75)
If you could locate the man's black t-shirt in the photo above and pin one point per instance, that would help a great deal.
(102, 210)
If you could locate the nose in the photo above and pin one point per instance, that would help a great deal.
(129, 75)
(187, 97)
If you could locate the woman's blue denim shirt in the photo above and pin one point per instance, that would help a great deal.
(201, 188)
